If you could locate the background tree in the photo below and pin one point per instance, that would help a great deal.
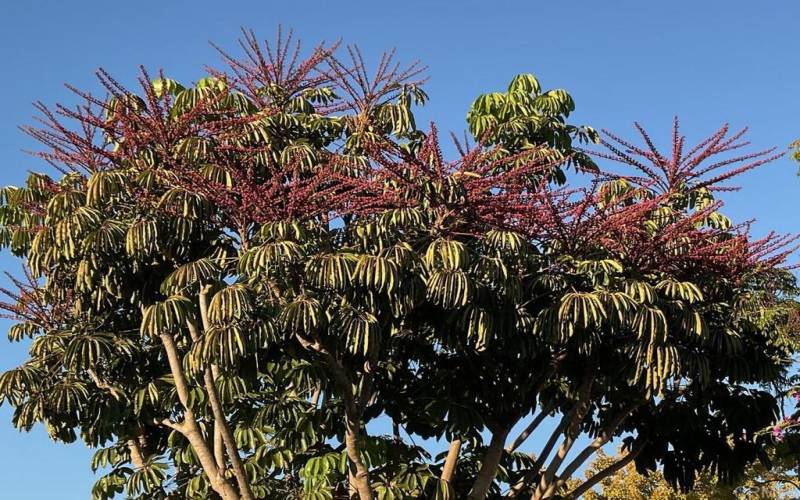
(758, 482)
(227, 282)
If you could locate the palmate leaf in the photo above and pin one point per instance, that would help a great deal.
(556, 101)
(655, 364)
(23, 330)
(108, 238)
(641, 291)
(508, 243)
(283, 231)
(198, 272)
(405, 219)
(107, 457)
(185, 203)
(217, 174)
(583, 309)
(103, 185)
(249, 438)
(52, 344)
(87, 350)
(447, 254)
(230, 389)
(180, 229)
(376, 273)
(69, 230)
(231, 303)
(492, 271)
(142, 238)
(17, 381)
(525, 83)
(109, 485)
(299, 153)
(198, 487)
(167, 316)
(166, 86)
(683, 290)
(693, 322)
(323, 466)
(405, 256)
(599, 270)
(226, 345)
(619, 305)
(479, 325)
(303, 315)
(147, 479)
(270, 256)
(86, 275)
(149, 394)
(361, 330)
(63, 205)
(370, 275)
(450, 288)
(650, 323)
(331, 271)
(410, 480)
(68, 396)
(196, 149)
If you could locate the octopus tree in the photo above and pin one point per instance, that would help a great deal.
(227, 282)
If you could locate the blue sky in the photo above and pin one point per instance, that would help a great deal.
(708, 62)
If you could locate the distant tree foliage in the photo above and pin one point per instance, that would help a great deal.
(224, 283)
(758, 483)
(795, 148)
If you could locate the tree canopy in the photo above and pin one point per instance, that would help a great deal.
(225, 282)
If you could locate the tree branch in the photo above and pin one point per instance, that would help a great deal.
(546, 484)
(450, 463)
(489, 463)
(137, 459)
(525, 434)
(602, 439)
(102, 384)
(358, 470)
(189, 428)
(221, 423)
(608, 471)
(530, 475)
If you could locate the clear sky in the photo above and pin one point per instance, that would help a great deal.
(709, 62)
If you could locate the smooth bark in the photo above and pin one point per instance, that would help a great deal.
(137, 458)
(450, 463)
(189, 427)
(220, 419)
(525, 434)
(359, 474)
(605, 436)
(547, 484)
(541, 459)
(491, 459)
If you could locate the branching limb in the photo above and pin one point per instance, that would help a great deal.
(531, 474)
(489, 463)
(189, 428)
(547, 483)
(221, 423)
(359, 474)
(450, 463)
(608, 471)
(525, 434)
